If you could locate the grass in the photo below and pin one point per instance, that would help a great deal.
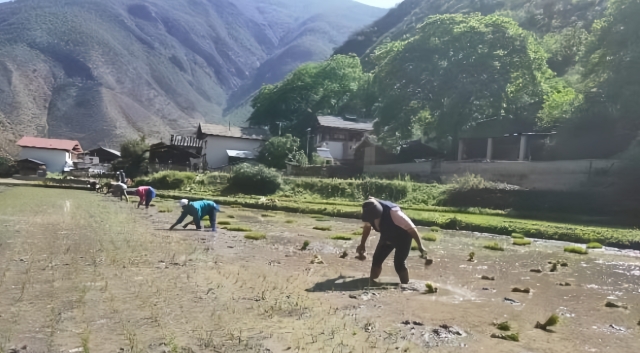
(494, 246)
(521, 242)
(575, 249)
(238, 229)
(345, 237)
(290, 221)
(503, 326)
(322, 228)
(430, 237)
(517, 236)
(435, 229)
(594, 245)
(305, 245)
(224, 223)
(255, 236)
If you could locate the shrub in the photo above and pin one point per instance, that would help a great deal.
(435, 229)
(322, 228)
(134, 158)
(7, 167)
(494, 246)
(521, 242)
(224, 223)
(470, 181)
(169, 180)
(342, 237)
(277, 150)
(238, 229)
(255, 180)
(255, 236)
(430, 237)
(517, 236)
(594, 245)
(575, 249)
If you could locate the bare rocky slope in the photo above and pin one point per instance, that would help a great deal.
(101, 71)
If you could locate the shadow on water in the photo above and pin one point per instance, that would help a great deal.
(348, 284)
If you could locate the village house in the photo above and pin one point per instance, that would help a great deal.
(57, 155)
(223, 145)
(341, 136)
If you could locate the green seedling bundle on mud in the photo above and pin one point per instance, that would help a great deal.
(290, 221)
(553, 320)
(517, 236)
(430, 288)
(503, 326)
(322, 228)
(495, 246)
(305, 245)
(513, 337)
(237, 228)
(435, 229)
(430, 237)
(594, 245)
(255, 236)
(345, 237)
(267, 215)
(576, 249)
(521, 242)
(224, 223)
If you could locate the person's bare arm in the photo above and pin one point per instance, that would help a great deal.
(416, 236)
(366, 230)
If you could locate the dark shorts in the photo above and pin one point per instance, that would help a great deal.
(149, 195)
(402, 247)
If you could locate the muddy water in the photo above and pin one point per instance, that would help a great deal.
(464, 300)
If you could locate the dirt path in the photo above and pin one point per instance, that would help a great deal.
(79, 270)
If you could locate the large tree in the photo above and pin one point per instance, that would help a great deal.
(318, 88)
(456, 71)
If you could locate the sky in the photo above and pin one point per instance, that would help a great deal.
(380, 3)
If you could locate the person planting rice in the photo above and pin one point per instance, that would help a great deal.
(120, 189)
(146, 195)
(198, 210)
(396, 232)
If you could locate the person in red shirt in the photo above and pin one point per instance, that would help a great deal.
(146, 194)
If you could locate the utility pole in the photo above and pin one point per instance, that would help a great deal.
(308, 137)
(279, 128)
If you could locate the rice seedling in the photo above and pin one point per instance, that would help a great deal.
(237, 229)
(521, 242)
(235, 206)
(435, 229)
(430, 237)
(494, 246)
(255, 236)
(517, 236)
(554, 268)
(553, 320)
(305, 245)
(206, 225)
(290, 221)
(521, 290)
(322, 228)
(487, 278)
(344, 254)
(165, 209)
(576, 249)
(231, 216)
(610, 304)
(513, 337)
(503, 326)
(356, 232)
(431, 289)
(267, 215)
(594, 245)
(224, 223)
(471, 257)
(317, 216)
(342, 237)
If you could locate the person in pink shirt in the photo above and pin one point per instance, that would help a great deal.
(146, 194)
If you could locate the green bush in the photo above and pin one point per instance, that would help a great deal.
(169, 180)
(7, 167)
(255, 180)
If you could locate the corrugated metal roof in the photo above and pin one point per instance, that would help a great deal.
(240, 154)
(324, 153)
(106, 149)
(186, 141)
(339, 123)
(32, 161)
(250, 133)
(51, 144)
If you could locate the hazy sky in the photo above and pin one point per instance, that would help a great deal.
(380, 3)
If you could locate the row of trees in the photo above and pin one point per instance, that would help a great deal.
(458, 70)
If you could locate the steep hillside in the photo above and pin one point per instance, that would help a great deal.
(103, 70)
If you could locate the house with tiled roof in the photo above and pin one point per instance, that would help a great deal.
(341, 136)
(56, 155)
(223, 145)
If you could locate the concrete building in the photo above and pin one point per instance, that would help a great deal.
(222, 143)
(57, 155)
(341, 136)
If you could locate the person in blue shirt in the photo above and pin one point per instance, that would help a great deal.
(198, 210)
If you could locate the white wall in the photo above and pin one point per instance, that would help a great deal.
(217, 146)
(336, 149)
(54, 159)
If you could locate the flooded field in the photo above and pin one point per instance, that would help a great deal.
(221, 292)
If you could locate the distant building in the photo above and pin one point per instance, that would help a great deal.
(341, 136)
(57, 155)
(224, 144)
(171, 157)
(103, 155)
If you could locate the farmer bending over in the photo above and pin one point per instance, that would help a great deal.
(198, 210)
(120, 189)
(146, 194)
(396, 232)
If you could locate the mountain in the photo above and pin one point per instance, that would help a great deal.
(101, 71)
